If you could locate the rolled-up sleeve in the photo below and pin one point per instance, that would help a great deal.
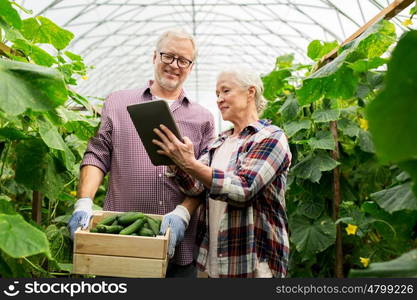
(264, 161)
(99, 149)
(188, 184)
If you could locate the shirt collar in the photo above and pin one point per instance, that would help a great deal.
(146, 93)
(253, 127)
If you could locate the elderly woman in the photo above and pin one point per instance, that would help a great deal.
(243, 229)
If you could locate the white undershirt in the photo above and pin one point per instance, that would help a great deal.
(221, 159)
(168, 101)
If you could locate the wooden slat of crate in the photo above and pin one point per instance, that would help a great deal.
(113, 244)
(86, 242)
(103, 265)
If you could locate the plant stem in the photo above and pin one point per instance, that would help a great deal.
(4, 160)
(336, 203)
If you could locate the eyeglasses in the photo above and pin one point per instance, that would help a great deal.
(182, 62)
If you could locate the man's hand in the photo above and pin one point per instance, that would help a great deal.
(178, 221)
(81, 215)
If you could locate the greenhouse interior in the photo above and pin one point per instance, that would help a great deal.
(310, 105)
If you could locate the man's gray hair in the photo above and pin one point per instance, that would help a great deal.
(178, 33)
(246, 78)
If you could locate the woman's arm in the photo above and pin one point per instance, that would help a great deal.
(265, 160)
(192, 172)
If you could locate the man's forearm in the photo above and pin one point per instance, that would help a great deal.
(191, 203)
(90, 180)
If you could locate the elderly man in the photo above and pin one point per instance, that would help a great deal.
(135, 184)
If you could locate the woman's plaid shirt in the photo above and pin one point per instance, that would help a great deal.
(254, 224)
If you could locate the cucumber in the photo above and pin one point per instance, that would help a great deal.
(129, 217)
(154, 225)
(133, 227)
(93, 230)
(107, 220)
(109, 229)
(146, 232)
(101, 228)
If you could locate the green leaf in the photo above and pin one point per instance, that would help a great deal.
(284, 61)
(12, 134)
(311, 208)
(397, 198)
(68, 116)
(364, 65)
(399, 221)
(411, 167)
(11, 34)
(376, 40)
(312, 236)
(392, 115)
(6, 206)
(60, 243)
(38, 55)
(365, 141)
(274, 82)
(31, 163)
(289, 109)
(24, 85)
(295, 126)
(54, 140)
(321, 116)
(9, 14)
(317, 49)
(50, 135)
(341, 84)
(322, 140)
(44, 31)
(403, 266)
(54, 179)
(82, 130)
(336, 80)
(363, 91)
(348, 127)
(73, 56)
(20, 239)
(76, 143)
(312, 166)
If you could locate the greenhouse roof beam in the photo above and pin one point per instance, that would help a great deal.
(199, 21)
(341, 12)
(53, 7)
(334, 35)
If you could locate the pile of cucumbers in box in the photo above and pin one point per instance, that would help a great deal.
(129, 223)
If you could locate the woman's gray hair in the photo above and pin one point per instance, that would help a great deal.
(247, 78)
(178, 33)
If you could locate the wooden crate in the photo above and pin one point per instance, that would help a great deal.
(119, 255)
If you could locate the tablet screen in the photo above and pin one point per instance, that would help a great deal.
(149, 115)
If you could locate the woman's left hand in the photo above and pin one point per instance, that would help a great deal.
(181, 153)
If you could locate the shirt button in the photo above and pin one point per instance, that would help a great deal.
(160, 175)
(160, 202)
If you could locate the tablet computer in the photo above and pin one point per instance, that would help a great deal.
(149, 115)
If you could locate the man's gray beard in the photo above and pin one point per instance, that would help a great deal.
(167, 85)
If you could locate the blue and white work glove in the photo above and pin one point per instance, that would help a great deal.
(177, 220)
(83, 210)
